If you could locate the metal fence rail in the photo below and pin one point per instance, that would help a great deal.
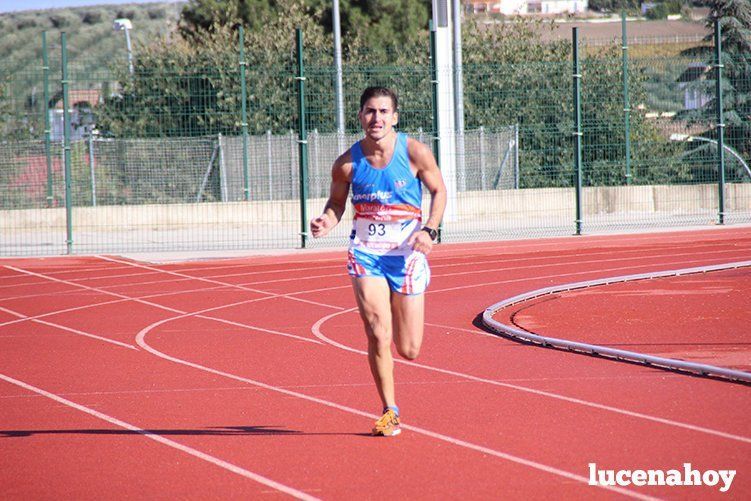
(187, 158)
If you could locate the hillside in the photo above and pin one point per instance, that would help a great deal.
(94, 49)
(89, 31)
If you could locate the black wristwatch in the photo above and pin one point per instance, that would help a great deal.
(430, 231)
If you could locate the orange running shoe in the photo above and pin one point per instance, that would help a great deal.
(388, 425)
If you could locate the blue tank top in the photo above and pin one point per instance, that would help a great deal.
(387, 202)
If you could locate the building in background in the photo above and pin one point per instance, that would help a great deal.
(82, 103)
(527, 7)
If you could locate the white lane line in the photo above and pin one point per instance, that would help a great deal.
(207, 280)
(489, 381)
(244, 286)
(317, 332)
(586, 272)
(181, 313)
(448, 253)
(86, 287)
(69, 329)
(591, 261)
(165, 441)
(141, 341)
(103, 303)
(433, 266)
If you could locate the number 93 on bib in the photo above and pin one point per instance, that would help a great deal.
(383, 236)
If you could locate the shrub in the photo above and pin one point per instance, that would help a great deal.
(659, 11)
(156, 13)
(25, 23)
(92, 17)
(60, 20)
(127, 14)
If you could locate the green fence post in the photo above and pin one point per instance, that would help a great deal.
(434, 94)
(47, 126)
(92, 168)
(720, 121)
(302, 140)
(66, 148)
(244, 119)
(626, 104)
(578, 132)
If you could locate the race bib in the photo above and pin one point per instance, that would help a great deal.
(382, 235)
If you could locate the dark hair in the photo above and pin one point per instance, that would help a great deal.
(379, 92)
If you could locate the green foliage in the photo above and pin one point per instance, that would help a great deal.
(192, 87)
(510, 77)
(200, 17)
(377, 22)
(659, 11)
(93, 48)
(128, 13)
(613, 5)
(156, 13)
(735, 22)
(92, 17)
(26, 23)
(663, 8)
(61, 20)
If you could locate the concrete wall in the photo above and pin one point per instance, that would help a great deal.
(470, 205)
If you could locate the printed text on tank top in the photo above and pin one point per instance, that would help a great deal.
(386, 200)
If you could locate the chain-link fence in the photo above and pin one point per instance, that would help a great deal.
(187, 158)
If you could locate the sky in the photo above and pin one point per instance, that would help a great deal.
(17, 5)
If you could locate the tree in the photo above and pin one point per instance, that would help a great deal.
(12, 125)
(735, 22)
(191, 87)
(613, 5)
(392, 22)
(378, 22)
(201, 16)
(513, 78)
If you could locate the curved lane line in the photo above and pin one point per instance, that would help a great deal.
(162, 440)
(467, 376)
(271, 295)
(184, 276)
(199, 314)
(632, 356)
(69, 329)
(207, 280)
(141, 341)
(317, 332)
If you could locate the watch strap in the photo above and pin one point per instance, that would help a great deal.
(430, 231)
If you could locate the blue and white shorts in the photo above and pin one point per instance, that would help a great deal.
(409, 274)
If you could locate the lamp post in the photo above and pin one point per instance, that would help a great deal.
(688, 139)
(125, 25)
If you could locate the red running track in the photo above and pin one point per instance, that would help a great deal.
(246, 378)
(695, 318)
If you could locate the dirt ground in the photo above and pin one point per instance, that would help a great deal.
(638, 31)
(647, 31)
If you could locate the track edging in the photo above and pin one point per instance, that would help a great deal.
(592, 349)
